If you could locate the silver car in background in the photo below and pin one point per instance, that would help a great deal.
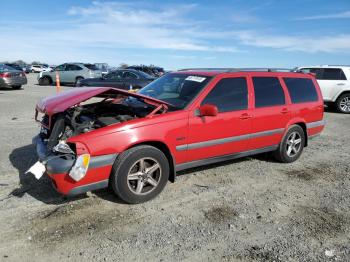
(69, 73)
(10, 77)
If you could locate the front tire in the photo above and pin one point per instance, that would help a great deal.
(16, 87)
(343, 103)
(140, 174)
(45, 81)
(291, 146)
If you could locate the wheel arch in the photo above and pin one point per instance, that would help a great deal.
(48, 77)
(342, 92)
(303, 126)
(165, 149)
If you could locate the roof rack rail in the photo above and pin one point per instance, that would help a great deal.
(240, 69)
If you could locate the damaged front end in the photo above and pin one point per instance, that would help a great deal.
(72, 166)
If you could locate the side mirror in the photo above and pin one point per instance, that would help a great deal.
(208, 110)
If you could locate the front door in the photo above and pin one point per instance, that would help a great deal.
(228, 131)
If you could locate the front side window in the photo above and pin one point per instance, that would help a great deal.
(176, 88)
(333, 74)
(114, 75)
(268, 92)
(301, 90)
(60, 67)
(229, 94)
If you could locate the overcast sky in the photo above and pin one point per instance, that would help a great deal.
(177, 34)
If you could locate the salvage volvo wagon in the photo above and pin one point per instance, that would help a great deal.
(92, 138)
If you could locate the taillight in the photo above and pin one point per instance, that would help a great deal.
(4, 75)
(23, 74)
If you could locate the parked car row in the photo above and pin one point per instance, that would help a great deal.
(69, 73)
(136, 142)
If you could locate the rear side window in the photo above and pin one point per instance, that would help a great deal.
(301, 90)
(268, 92)
(316, 71)
(229, 94)
(333, 74)
(72, 67)
(91, 67)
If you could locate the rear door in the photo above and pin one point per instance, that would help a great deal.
(226, 133)
(72, 72)
(272, 111)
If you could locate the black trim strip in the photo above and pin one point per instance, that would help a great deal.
(103, 160)
(58, 165)
(228, 139)
(315, 124)
(89, 187)
(213, 160)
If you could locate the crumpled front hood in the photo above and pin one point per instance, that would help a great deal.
(61, 102)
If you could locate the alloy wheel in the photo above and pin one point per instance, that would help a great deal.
(144, 176)
(293, 144)
(344, 104)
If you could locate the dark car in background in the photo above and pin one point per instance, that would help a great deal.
(10, 77)
(155, 71)
(128, 79)
(15, 66)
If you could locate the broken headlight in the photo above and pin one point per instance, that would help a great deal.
(63, 147)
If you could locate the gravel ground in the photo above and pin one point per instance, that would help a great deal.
(251, 209)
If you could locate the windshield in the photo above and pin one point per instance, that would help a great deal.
(176, 89)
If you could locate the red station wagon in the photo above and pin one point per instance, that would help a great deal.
(92, 138)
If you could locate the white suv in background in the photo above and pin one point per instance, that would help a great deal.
(334, 82)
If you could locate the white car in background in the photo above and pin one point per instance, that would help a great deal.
(38, 68)
(334, 82)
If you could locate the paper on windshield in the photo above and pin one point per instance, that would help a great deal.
(198, 79)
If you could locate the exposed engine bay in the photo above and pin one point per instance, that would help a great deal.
(85, 118)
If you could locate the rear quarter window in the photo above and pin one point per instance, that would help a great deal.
(301, 90)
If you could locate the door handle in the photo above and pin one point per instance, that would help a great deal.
(245, 116)
(341, 84)
(284, 111)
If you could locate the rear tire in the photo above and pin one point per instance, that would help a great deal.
(77, 81)
(140, 174)
(291, 146)
(343, 103)
(16, 87)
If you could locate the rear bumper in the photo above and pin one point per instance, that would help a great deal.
(59, 166)
(15, 81)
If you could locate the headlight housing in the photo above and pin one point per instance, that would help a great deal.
(80, 167)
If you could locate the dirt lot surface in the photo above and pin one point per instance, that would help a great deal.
(251, 209)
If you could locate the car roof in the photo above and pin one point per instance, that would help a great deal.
(260, 71)
(325, 66)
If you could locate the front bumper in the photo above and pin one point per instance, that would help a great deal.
(59, 166)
